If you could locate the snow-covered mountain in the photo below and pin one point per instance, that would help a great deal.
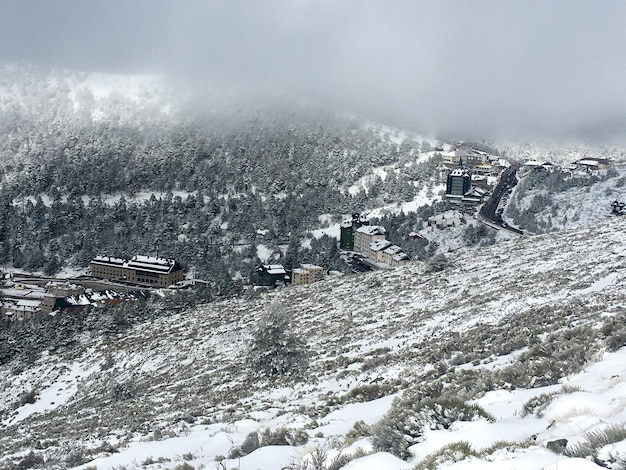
(501, 356)
(523, 329)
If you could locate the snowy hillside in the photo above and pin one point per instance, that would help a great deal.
(560, 153)
(545, 201)
(512, 340)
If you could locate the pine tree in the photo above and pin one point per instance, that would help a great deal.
(274, 349)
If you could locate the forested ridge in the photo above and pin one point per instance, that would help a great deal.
(65, 146)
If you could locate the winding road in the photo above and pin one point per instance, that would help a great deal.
(487, 213)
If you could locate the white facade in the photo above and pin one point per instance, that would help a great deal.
(366, 235)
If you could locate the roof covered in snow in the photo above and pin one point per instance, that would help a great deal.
(274, 268)
(140, 262)
(372, 230)
(379, 245)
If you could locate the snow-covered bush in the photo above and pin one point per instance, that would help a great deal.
(448, 454)
(28, 397)
(275, 350)
(268, 437)
(122, 391)
(416, 411)
(368, 392)
(593, 441)
(359, 429)
(477, 233)
(320, 459)
(614, 333)
(31, 460)
(437, 263)
(537, 405)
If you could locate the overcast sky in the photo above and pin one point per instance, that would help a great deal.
(483, 68)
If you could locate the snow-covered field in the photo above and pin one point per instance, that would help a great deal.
(371, 338)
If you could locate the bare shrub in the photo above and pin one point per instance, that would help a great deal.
(448, 454)
(595, 440)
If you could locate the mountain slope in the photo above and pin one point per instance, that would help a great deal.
(520, 315)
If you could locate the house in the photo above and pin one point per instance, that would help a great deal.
(306, 274)
(347, 229)
(484, 169)
(480, 180)
(147, 270)
(451, 218)
(269, 275)
(593, 164)
(474, 197)
(366, 235)
(23, 309)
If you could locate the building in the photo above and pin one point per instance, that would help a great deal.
(364, 236)
(63, 289)
(474, 197)
(394, 256)
(306, 274)
(269, 275)
(459, 182)
(147, 270)
(446, 219)
(107, 267)
(347, 229)
(155, 271)
(22, 302)
(464, 157)
(593, 164)
(377, 249)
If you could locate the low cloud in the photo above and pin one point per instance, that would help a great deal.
(484, 69)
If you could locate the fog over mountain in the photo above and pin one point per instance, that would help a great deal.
(486, 69)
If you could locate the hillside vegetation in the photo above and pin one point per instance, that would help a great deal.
(114, 165)
(518, 317)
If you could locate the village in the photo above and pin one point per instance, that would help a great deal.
(111, 281)
(469, 176)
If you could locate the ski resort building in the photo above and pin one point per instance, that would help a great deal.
(146, 270)
(370, 240)
(269, 275)
(377, 250)
(593, 164)
(446, 219)
(306, 274)
(347, 229)
(464, 157)
(366, 235)
(459, 182)
(394, 256)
